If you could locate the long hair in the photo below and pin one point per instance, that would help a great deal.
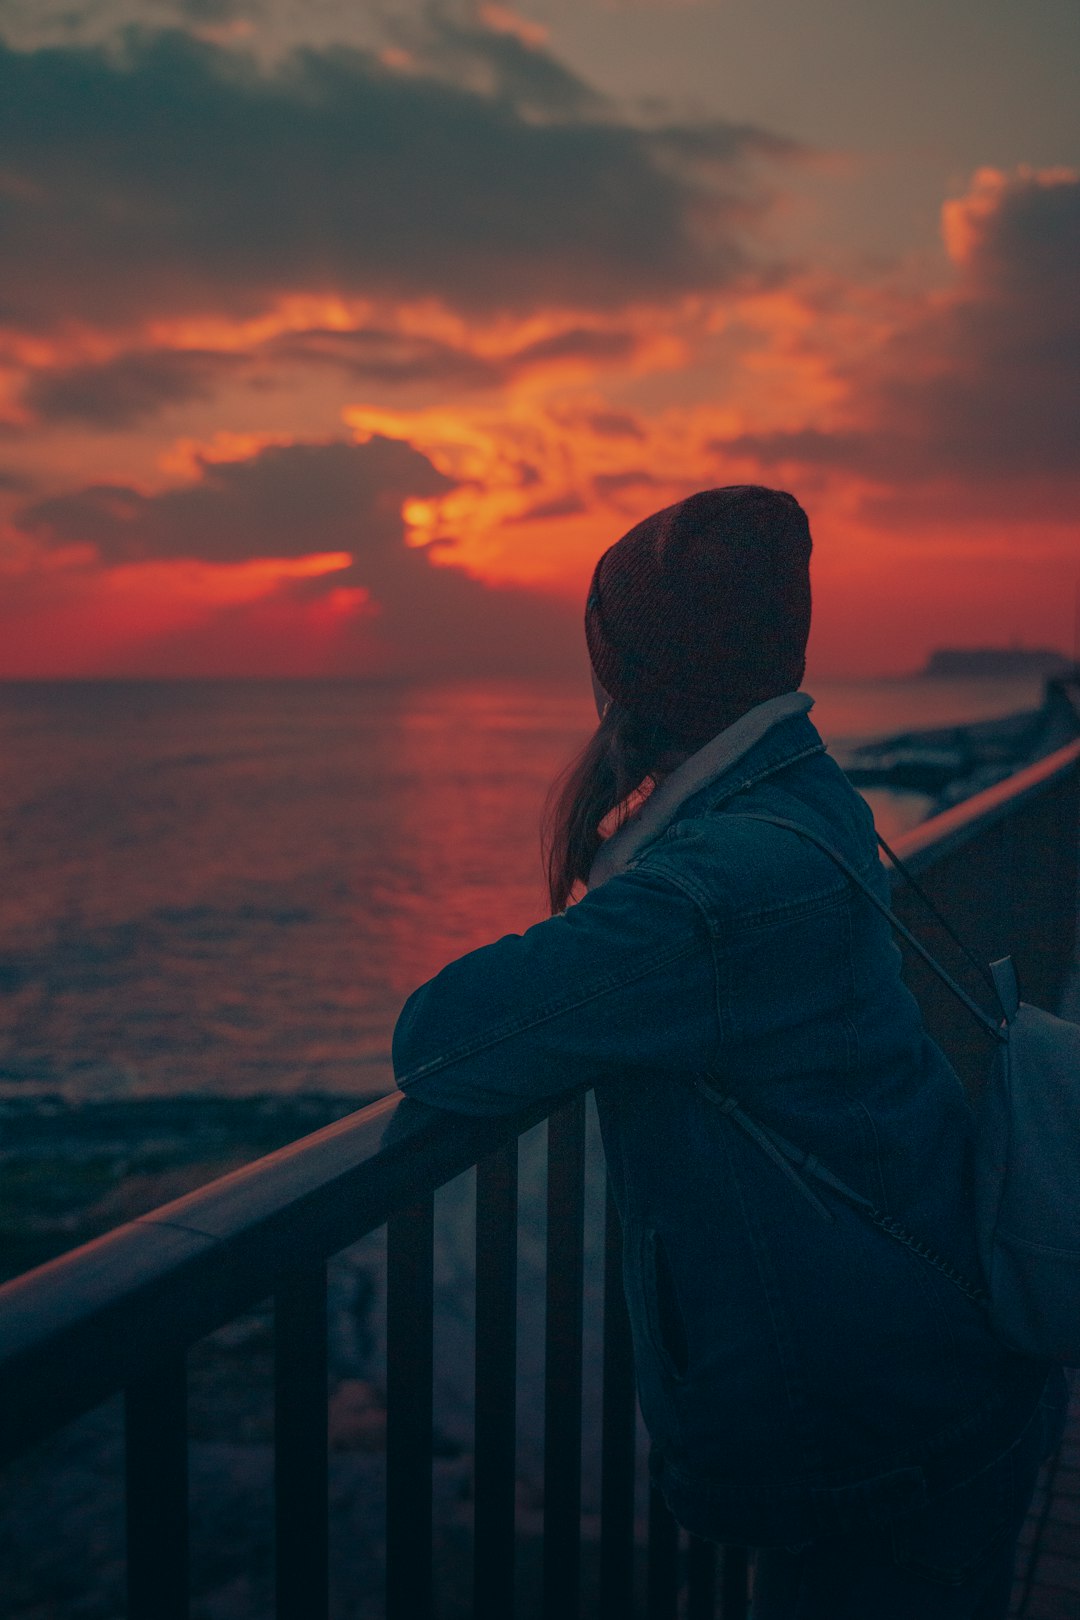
(623, 760)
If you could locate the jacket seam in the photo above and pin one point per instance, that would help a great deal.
(723, 1022)
(807, 905)
(685, 886)
(549, 1011)
(767, 771)
(736, 786)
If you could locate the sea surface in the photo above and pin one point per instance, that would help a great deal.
(228, 888)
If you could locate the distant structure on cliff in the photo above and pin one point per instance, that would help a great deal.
(1002, 663)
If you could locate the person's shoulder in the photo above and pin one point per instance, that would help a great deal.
(734, 862)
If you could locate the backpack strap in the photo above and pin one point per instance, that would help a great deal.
(793, 1160)
(991, 1027)
(943, 922)
(1008, 990)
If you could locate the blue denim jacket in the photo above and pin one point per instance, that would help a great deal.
(799, 1375)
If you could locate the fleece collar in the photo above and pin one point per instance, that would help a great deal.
(713, 760)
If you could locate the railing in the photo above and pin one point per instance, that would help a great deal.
(1002, 866)
(121, 1313)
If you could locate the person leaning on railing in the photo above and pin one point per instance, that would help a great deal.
(810, 1386)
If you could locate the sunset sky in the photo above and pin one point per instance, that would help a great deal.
(340, 338)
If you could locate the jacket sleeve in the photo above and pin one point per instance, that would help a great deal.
(623, 980)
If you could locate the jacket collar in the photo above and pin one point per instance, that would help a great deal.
(715, 761)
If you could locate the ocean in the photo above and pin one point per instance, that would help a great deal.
(228, 888)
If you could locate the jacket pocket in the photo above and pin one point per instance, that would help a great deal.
(663, 1313)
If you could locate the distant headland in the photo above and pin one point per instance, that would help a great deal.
(989, 662)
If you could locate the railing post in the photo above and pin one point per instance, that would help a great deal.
(618, 1435)
(562, 1365)
(409, 1433)
(301, 1506)
(496, 1384)
(663, 1567)
(156, 1493)
(733, 1592)
(700, 1579)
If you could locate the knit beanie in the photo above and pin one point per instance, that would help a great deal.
(703, 610)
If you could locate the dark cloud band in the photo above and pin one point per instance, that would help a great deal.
(301, 499)
(167, 175)
(119, 392)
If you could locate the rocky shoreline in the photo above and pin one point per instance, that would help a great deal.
(71, 1171)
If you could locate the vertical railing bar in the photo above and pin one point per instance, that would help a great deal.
(496, 1384)
(301, 1484)
(700, 1579)
(733, 1583)
(619, 1417)
(663, 1567)
(562, 1366)
(1062, 925)
(409, 1371)
(156, 1492)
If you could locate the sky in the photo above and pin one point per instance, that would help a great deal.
(341, 339)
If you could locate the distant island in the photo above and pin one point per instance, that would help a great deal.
(990, 662)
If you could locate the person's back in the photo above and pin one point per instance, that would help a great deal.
(810, 1385)
(802, 1361)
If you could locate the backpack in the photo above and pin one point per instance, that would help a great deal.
(1026, 1154)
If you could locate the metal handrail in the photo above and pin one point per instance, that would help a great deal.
(946, 832)
(78, 1328)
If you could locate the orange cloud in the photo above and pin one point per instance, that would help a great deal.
(502, 20)
(964, 408)
(970, 222)
(546, 478)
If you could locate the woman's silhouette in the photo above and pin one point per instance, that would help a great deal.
(811, 1386)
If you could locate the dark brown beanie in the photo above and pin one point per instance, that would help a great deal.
(703, 609)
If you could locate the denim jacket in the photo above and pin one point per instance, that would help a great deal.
(800, 1373)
